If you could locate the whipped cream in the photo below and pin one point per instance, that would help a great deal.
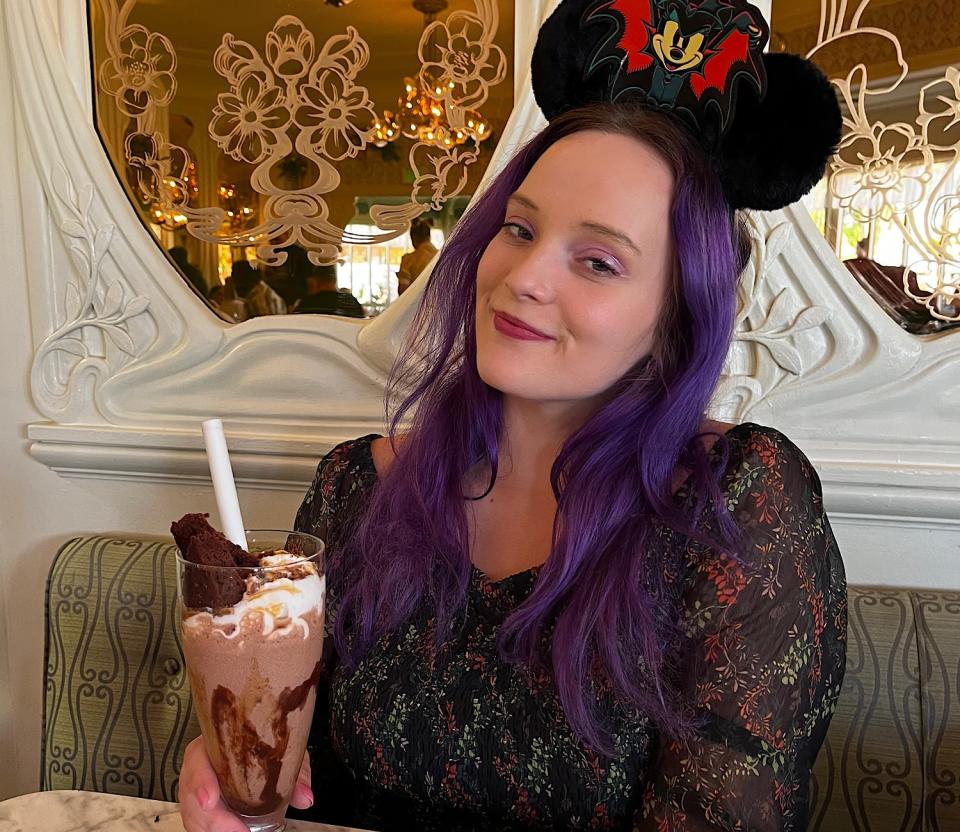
(281, 601)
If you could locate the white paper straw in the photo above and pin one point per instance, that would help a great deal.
(223, 485)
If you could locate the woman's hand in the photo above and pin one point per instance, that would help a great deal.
(201, 808)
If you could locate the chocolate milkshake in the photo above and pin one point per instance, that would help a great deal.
(252, 631)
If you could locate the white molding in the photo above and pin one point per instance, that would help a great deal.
(172, 456)
(859, 482)
(874, 407)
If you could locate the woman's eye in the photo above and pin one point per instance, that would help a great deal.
(517, 231)
(601, 266)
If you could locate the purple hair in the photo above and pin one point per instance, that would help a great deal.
(603, 597)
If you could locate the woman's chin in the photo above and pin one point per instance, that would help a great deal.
(519, 385)
(511, 381)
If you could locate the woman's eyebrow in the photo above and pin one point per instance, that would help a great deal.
(613, 234)
(524, 201)
(597, 227)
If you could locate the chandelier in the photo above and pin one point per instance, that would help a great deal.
(239, 216)
(421, 113)
(160, 211)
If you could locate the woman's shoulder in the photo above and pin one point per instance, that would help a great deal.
(782, 536)
(351, 453)
(346, 466)
(759, 455)
(383, 451)
(746, 456)
(773, 495)
(345, 473)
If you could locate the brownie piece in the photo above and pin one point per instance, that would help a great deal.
(187, 527)
(203, 546)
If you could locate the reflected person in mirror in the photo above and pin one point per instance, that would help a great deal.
(224, 298)
(259, 298)
(324, 297)
(560, 594)
(414, 262)
(180, 256)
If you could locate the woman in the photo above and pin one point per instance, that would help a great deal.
(563, 598)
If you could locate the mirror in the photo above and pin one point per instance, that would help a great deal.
(304, 155)
(890, 203)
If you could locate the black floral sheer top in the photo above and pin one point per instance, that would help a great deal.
(425, 736)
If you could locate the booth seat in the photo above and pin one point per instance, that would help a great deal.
(117, 708)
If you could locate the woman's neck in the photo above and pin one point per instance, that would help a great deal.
(534, 433)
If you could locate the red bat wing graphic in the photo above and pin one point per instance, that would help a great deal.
(718, 67)
(637, 26)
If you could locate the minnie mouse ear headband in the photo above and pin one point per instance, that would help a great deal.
(769, 122)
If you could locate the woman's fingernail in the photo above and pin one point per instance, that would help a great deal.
(308, 793)
(203, 798)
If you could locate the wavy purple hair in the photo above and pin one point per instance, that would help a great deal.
(602, 603)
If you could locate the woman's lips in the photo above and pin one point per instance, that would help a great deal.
(514, 328)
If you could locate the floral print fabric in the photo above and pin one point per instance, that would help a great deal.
(430, 736)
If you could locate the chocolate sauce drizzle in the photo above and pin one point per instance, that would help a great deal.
(236, 733)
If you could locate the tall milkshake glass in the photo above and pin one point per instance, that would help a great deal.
(253, 666)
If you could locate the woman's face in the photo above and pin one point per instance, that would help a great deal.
(584, 259)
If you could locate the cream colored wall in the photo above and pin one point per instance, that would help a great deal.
(8, 734)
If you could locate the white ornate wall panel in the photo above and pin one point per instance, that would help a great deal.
(128, 361)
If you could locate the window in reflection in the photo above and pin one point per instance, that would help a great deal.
(372, 273)
(874, 249)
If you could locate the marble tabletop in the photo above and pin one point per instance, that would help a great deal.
(72, 811)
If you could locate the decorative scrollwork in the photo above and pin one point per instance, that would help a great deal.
(468, 61)
(781, 319)
(94, 338)
(294, 97)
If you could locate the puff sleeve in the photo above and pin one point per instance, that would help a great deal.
(765, 645)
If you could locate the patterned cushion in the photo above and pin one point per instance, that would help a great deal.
(938, 639)
(891, 759)
(117, 709)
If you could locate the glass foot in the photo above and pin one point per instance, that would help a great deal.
(274, 822)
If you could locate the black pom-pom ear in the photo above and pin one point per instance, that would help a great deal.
(777, 149)
(562, 52)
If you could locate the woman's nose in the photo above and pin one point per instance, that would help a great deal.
(534, 275)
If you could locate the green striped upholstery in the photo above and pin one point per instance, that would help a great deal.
(117, 710)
